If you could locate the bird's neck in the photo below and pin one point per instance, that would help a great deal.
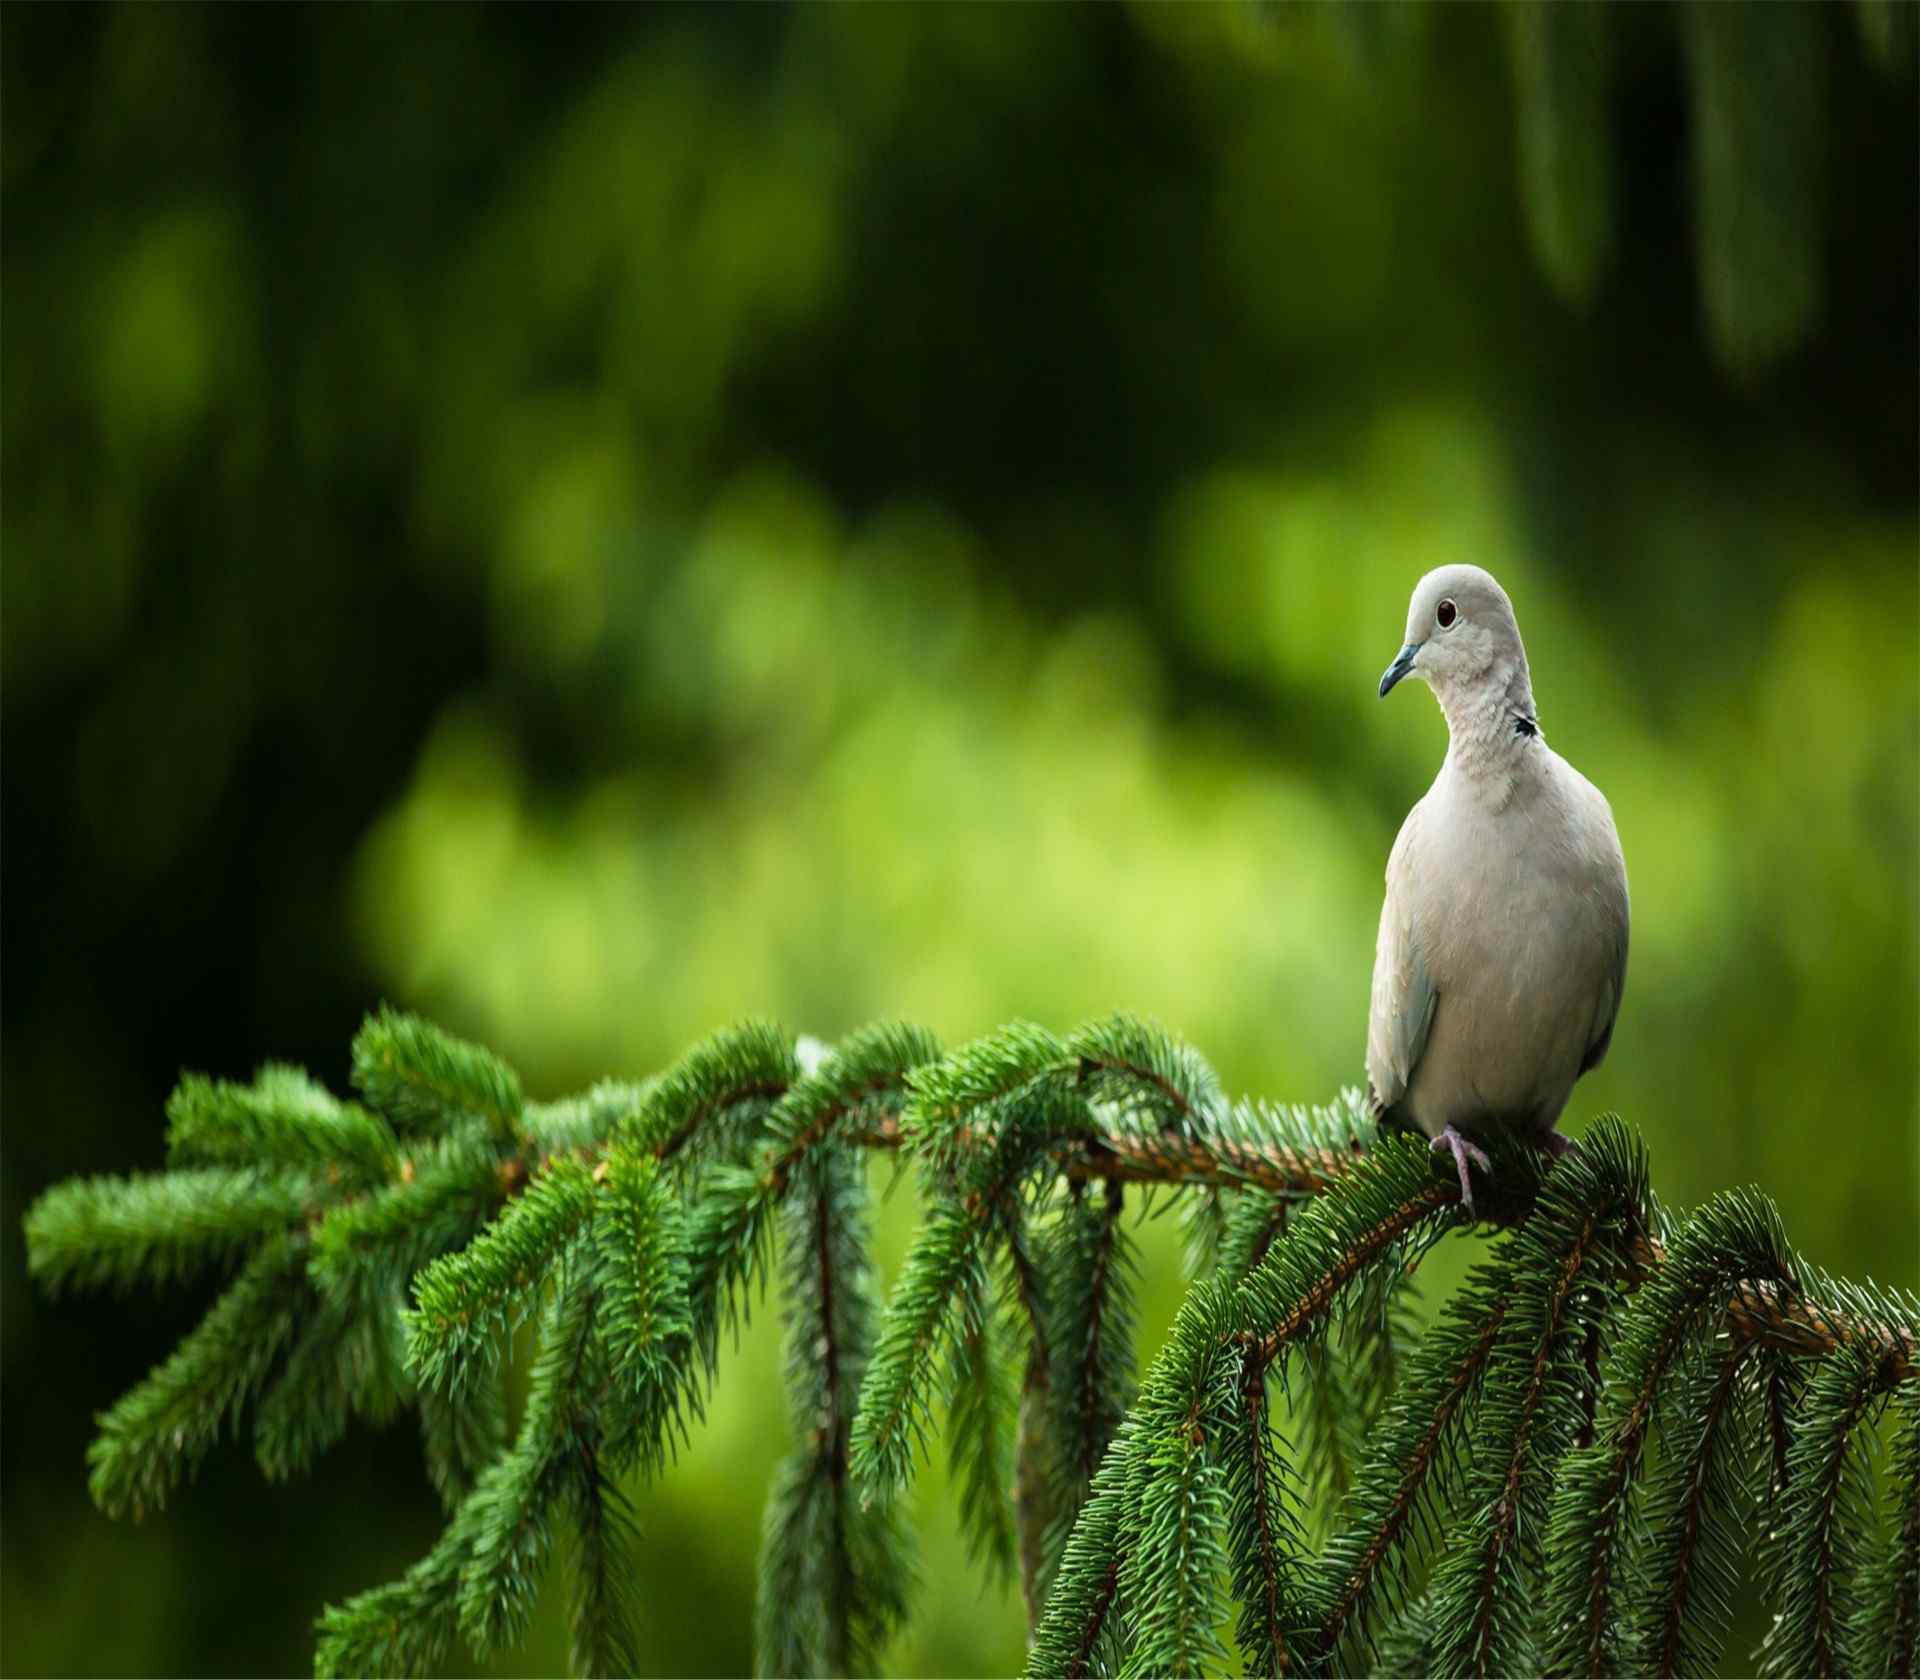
(1491, 724)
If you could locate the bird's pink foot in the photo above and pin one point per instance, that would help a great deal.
(1464, 1150)
(1554, 1145)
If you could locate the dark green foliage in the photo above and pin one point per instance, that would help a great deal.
(605, 1537)
(1413, 1467)
(1890, 1588)
(982, 1412)
(980, 1122)
(160, 1431)
(425, 1080)
(1889, 29)
(708, 1106)
(1531, 1403)
(1560, 1477)
(1144, 1076)
(282, 1119)
(1088, 1260)
(925, 1323)
(1732, 1240)
(1821, 1532)
(464, 1303)
(406, 1627)
(512, 1501)
(1251, 1225)
(96, 1232)
(834, 1570)
(1264, 1539)
(861, 1084)
(338, 1366)
(1758, 95)
(366, 1249)
(460, 1435)
(645, 1317)
(1562, 56)
(1699, 1505)
(1173, 1553)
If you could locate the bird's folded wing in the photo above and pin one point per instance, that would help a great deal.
(1402, 1008)
(1607, 1010)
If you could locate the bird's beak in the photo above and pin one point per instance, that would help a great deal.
(1402, 664)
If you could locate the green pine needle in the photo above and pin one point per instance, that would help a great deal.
(1886, 1637)
(1733, 1239)
(464, 1303)
(512, 1502)
(156, 1435)
(427, 1081)
(1562, 1477)
(1697, 1517)
(1818, 1547)
(284, 1118)
(982, 1406)
(1531, 1406)
(94, 1233)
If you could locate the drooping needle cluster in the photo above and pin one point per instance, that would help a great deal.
(1478, 1498)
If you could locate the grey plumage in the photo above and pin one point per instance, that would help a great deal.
(1502, 954)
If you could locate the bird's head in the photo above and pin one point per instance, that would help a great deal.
(1461, 635)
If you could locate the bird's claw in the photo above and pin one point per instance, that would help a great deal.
(1464, 1149)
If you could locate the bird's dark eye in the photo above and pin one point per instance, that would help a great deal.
(1444, 614)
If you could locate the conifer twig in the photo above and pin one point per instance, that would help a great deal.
(386, 1252)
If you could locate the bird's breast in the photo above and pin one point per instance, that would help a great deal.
(1517, 949)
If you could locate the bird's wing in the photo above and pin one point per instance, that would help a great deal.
(1403, 995)
(1613, 985)
(1613, 892)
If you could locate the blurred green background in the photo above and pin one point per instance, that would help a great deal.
(592, 523)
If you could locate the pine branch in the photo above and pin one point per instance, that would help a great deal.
(645, 1313)
(1886, 1638)
(1006, 1092)
(284, 1119)
(1089, 1339)
(981, 1418)
(1226, 1162)
(427, 1081)
(511, 1503)
(834, 1575)
(407, 1626)
(1177, 1491)
(460, 1437)
(96, 1233)
(1264, 1536)
(1732, 1243)
(1177, 1488)
(1149, 1080)
(1073, 1636)
(1327, 1424)
(1042, 1530)
(714, 1101)
(944, 1267)
(158, 1433)
(465, 1303)
(605, 1538)
(1387, 1196)
(336, 1369)
(1562, 1257)
(367, 1249)
(642, 1217)
(862, 1084)
(1697, 1511)
(1412, 1469)
(1817, 1551)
